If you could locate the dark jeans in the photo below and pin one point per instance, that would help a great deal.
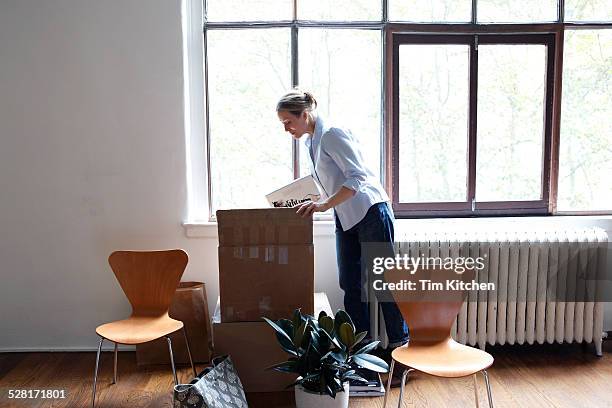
(376, 226)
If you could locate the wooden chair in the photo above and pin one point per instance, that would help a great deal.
(430, 316)
(149, 280)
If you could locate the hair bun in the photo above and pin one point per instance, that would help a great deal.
(310, 99)
(296, 101)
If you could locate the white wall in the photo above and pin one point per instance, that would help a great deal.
(92, 159)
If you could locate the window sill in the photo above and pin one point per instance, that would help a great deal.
(326, 228)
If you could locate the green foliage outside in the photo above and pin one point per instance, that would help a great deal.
(248, 69)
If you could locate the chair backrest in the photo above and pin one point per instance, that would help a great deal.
(149, 278)
(430, 314)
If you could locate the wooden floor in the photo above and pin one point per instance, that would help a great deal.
(522, 376)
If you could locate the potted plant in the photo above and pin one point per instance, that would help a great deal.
(324, 353)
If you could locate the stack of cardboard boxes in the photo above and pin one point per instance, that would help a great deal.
(266, 269)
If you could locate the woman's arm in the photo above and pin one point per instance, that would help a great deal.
(342, 148)
(307, 209)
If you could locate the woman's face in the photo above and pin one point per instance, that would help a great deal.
(297, 125)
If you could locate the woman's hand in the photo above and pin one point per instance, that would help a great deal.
(308, 208)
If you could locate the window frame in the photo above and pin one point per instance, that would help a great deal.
(389, 31)
(474, 37)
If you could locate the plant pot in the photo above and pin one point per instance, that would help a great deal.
(307, 399)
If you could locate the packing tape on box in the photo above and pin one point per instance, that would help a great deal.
(238, 252)
(265, 305)
(283, 255)
(269, 254)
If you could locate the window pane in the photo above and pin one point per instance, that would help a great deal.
(340, 10)
(342, 69)
(304, 160)
(430, 11)
(516, 11)
(511, 90)
(588, 10)
(433, 104)
(249, 10)
(250, 154)
(585, 157)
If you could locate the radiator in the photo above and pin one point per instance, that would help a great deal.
(537, 298)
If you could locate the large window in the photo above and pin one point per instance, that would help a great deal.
(433, 121)
(511, 118)
(474, 119)
(247, 156)
(462, 107)
(332, 64)
(585, 157)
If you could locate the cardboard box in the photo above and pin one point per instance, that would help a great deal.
(319, 299)
(253, 347)
(263, 226)
(270, 281)
(266, 264)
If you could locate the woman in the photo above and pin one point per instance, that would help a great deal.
(360, 204)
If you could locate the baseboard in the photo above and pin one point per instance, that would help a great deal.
(105, 347)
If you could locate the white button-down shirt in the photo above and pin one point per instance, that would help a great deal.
(336, 161)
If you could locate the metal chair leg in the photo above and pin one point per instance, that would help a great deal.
(401, 396)
(476, 390)
(389, 383)
(486, 376)
(189, 352)
(172, 360)
(93, 395)
(115, 366)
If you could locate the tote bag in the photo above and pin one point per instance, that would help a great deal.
(215, 387)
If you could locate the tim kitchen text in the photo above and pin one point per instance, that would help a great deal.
(428, 285)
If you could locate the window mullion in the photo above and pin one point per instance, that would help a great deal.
(385, 11)
(553, 134)
(473, 118)
(556, 122)
(393, 152)
(383, 111)
(207, 118)
(295, 80)
(383, 93)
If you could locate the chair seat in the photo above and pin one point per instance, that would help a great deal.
(443, 359)
(139, 329)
